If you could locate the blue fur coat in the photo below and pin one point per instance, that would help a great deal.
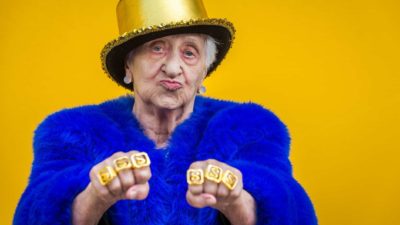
(246, 136)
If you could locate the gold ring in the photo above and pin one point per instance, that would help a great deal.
(140, 160)
(230, 180)
(195, 176)
(106, 174)
(122, 163)
(213, 173)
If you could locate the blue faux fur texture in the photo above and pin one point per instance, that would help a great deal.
(68, 143)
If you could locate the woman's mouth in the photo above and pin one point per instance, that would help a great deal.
(171, 85)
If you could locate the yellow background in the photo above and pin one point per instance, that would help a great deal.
(329, 69)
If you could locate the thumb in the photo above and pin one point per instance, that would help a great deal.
(138, 192)
(200, 201)
(209, 199)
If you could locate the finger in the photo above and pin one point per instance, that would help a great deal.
(195, 177)
(213, 174)
(142, 175)
(195, 189)
(233, 196)
(138, 192)
(222, 192)
(127, 179)
(115, 187)
(210, 187)
(140, 160)
(123, 166)
(101, 191)
(200, 201)
(236, 192)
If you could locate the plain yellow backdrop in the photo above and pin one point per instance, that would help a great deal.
(329, 69)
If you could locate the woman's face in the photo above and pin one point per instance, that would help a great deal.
(167, 72)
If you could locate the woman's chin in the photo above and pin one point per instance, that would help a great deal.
(168, 103)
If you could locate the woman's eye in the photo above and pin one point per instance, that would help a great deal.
(157, 48)
(188, 53)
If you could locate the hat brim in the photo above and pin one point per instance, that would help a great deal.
(114, 53)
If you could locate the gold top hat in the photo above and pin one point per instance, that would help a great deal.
(140, 21)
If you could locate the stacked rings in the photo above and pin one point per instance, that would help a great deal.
(212, 173)
(135, 161)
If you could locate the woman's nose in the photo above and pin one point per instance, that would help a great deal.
(172, 66)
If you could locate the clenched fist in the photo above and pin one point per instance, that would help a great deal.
(124, 175)
(129, 183)
(220, 186)
(213, 183)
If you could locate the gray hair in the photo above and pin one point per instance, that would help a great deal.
(210, 50)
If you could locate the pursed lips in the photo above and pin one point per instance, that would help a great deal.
(171, 85)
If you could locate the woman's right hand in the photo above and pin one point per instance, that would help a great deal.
(128, 184)
(131, 183)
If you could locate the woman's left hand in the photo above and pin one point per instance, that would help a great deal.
(220, 186)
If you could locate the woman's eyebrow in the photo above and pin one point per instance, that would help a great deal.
(192, 42)
(156, 41)
(192, 39)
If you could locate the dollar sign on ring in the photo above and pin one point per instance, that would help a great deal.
(229, 179)
(214, 173)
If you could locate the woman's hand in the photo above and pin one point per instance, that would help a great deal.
(104, 189)
(220, 189)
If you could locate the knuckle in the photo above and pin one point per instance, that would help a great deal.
(118, 154)
(211, 161)
(236, 172)
(92, 171)
(133, 152)
(224, 165)
(235, 194)
(95, 168)
(196, 164)
(107, 161)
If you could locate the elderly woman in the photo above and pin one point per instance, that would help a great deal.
(168, 155)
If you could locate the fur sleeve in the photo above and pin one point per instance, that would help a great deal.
(64, 147)
(255, 141)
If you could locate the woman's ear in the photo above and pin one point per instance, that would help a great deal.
(128, 75)
(201, 90)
